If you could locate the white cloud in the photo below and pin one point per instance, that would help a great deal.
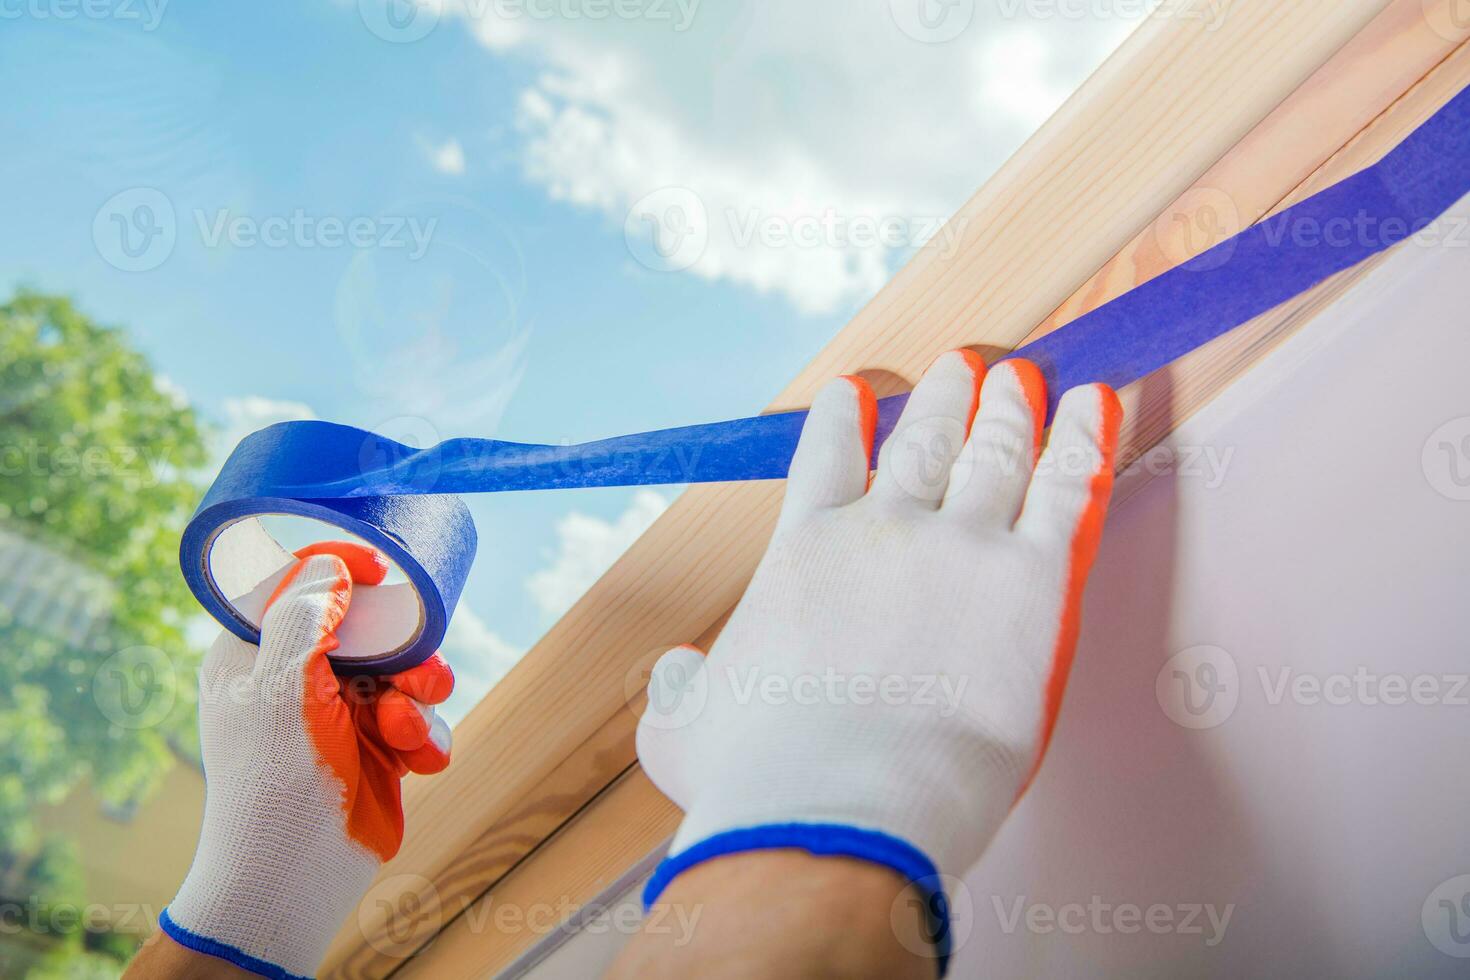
(245, 415)
(479, 658)
(446, 157)
(586, 547)
(815, 121)
(171, 389)
(1016, 77)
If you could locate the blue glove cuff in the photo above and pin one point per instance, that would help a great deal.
(827, 840)
(219, 950)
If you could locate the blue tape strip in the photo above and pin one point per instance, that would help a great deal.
(394, 496)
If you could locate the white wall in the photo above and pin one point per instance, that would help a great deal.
(1325, 549)
(1330, 545)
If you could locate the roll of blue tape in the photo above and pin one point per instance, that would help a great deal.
(401, 499)
(429, 536)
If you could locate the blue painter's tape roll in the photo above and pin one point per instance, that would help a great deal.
(400, 498)
(430, 537)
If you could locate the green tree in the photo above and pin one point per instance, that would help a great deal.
(97, 476)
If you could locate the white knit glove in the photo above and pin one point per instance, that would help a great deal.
(302, 769)
(887, 686)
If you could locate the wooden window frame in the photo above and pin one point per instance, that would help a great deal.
(545, 805)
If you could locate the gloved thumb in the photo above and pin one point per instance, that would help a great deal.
(678, 690)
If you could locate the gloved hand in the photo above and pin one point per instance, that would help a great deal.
(303, 771)
(887, 686)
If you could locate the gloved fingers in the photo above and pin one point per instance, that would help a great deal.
(302, 615)
(433, 755)
(431, 682)
(310, 602)
(365, 564)
(830, 467)
(407, 719)
(1064, 512)
(989, 481)
(404, 722)
(1069, 493)
(374, 801)
(915, 462)
(677, 692)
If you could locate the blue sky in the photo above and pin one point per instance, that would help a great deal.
(528, 149)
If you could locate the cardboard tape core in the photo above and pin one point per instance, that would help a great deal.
(246, 563)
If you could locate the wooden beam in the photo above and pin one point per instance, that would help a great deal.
(1167, 107)
(1349, 103)
(1246, 175)
(575, 866)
